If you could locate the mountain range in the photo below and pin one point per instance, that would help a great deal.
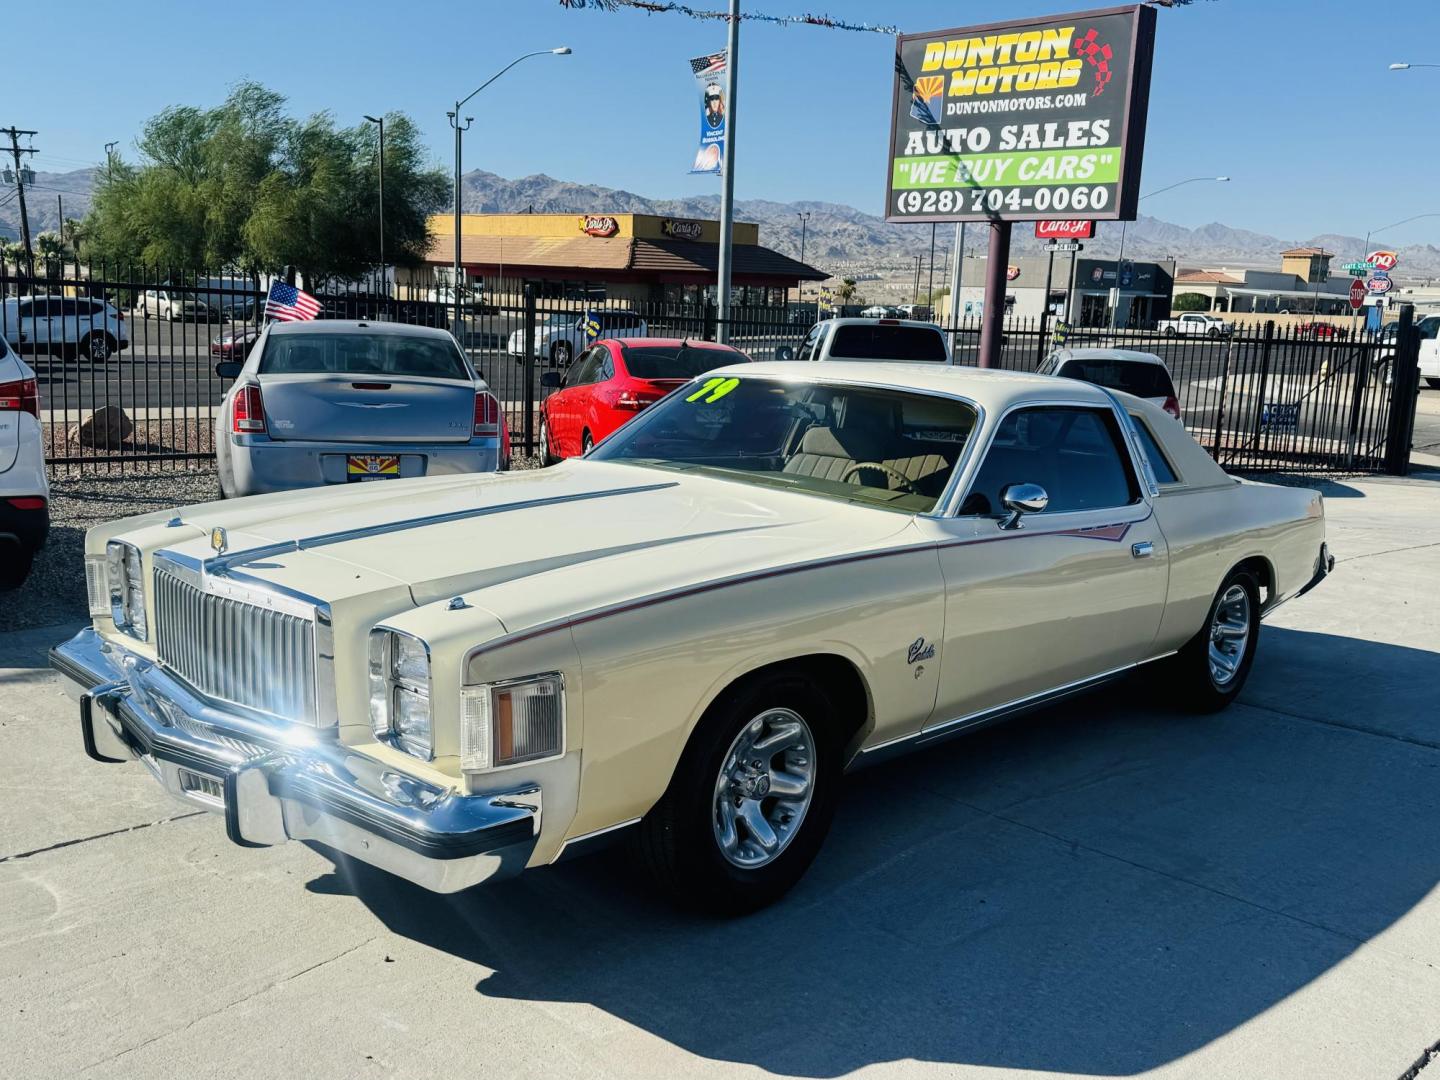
(838, 238)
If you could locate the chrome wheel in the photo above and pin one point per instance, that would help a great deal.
(764, 788)
(1229, 635)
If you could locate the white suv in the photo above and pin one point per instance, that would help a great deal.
(24, 489)
(565, 335)
(64, 327)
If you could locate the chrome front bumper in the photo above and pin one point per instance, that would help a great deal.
(275, 783)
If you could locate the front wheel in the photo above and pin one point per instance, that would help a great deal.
(751, 799)
(1212, 667)
(560, 354)
(547, 454)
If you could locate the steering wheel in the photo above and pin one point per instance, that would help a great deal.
(860, 466)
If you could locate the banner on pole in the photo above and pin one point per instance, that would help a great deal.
(710, 74)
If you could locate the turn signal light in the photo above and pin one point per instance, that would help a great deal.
(20, 396)
(248, 415)
(633, 401)
(487, 414)
(27, 502)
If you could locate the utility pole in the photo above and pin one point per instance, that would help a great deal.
(110, 160)
(384, 277)
(727, 188)
(956, 275)
(930, 299)
(15, 151)
(455, 265)
(804, 220)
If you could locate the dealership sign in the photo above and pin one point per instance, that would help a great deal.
(1383, 260)
(1064, 230)
(1014, 121)
(597, 225)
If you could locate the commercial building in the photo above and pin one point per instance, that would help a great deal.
(1302, 284)
(1143, 290)
(614, 257)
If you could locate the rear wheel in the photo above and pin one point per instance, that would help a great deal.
(1214, 664)
(97, 347)
(751, 799)
(1169, 331)
(1213, 332)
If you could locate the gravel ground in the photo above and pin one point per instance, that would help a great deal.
(55, 591)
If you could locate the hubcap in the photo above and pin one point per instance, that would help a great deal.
(764, 788)
(1229, 635)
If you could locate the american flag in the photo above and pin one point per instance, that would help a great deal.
(288, 304)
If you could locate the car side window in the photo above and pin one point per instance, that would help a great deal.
(583, 372)
(1076, 454)
(807, 347)
(606, 365)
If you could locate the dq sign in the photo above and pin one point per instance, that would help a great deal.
(1383, 260)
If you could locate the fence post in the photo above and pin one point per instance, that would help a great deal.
(1265, 347)
(1404, 395)
(1042, 344)
(708, 327)
(1220, 406)
(528, 425)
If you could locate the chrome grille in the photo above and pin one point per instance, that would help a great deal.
(236, 651)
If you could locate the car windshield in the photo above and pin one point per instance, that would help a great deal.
(886, 448)
(861, 342)
(1132, 376)
(362, 354)
(677, 361)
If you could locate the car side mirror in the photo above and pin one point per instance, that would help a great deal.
(784, 352)
(552, 379)
(1022, 499)
(228, 369)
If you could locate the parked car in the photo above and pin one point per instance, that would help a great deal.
(880, 311)
(231, 298)
(1428, 329)
(173, 303)
(1322, 330)
(870, 339)
(687, 637)
(65, 327)
(337, 402)
(1194, 324)
(24, 486)
(235, 344)
(1140, 373)
(564, 335)
(612, 381)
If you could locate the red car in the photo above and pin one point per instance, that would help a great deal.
(612, 381)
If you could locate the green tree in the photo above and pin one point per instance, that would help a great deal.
(847, 292)
(1190, 301)
(244, 186)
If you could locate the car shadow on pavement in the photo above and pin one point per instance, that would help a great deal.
(1103, 887)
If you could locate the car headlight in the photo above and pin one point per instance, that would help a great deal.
(125, 580)
(505, 723)
(399, 671)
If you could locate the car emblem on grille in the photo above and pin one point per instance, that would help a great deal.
(219, 540)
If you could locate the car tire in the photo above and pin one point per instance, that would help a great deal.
(1213, 332)
(1169, 331)
(560, 354)
(1434, 384)
(697, 842)
(15, 563)
(98, 348)
(586, 443)
(1211, 669)
(547, 454)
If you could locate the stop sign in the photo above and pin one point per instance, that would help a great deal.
(1357, 294)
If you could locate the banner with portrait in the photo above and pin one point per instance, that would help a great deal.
(710, 75)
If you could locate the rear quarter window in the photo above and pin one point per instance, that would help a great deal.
(1164, 471)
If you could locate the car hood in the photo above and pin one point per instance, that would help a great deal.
(530, 546)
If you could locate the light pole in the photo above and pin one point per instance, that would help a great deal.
(563, 50)
(724, 265)
(1115, 308)
(804, 220)
(1407, 67)
(380, 120)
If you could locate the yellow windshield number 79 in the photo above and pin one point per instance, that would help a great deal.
(716, 388)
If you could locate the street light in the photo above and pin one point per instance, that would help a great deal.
(563, 50)
(804, 220)
(1115, 309)
(1407, 67)
(380, 120)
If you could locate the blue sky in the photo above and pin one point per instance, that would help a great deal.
(1289, 97)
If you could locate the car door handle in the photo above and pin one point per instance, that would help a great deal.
(1143, 550)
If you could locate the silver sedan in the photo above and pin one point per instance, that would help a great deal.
(338, 402)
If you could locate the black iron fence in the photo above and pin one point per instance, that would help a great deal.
(125, 360)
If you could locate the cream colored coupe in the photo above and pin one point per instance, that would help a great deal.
(688, 636)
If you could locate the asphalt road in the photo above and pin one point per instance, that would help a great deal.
(1111, 887)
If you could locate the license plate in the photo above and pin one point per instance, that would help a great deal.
(363, 467)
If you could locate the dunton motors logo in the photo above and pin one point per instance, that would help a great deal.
(1052, 58)
(599, 225)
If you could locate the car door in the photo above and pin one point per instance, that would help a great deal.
(563, 409)
(1069, 593)
(600, 416)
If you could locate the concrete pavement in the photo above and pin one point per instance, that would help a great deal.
(1109, 888)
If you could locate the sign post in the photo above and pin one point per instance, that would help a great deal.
(1016, 120)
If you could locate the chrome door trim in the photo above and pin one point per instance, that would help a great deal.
(935, 733)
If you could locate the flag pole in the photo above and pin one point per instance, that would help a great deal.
(727, 190)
